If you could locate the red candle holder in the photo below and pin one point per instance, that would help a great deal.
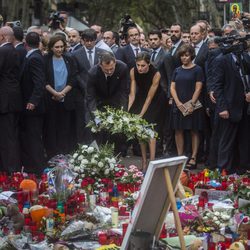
(102, 238)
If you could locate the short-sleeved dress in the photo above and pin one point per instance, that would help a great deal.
(156, 107)
(185, 81)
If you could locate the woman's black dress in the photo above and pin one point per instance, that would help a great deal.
(157, 105)
(185, 81)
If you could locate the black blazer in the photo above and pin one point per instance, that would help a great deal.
(228, 87)
(21, 52)
(10, 91)
(112, 91)
(201, 57)
(170, 63)
(69, 102)
(127, 55)
(33, 82)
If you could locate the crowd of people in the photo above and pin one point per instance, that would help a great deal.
(182, 81)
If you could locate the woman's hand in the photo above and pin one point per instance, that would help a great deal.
(181, 107)
(190, 108)
(58, 96)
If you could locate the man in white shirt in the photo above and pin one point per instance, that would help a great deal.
(99, 41)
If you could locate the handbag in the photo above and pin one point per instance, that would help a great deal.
(187, 104)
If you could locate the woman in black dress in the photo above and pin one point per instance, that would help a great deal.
(146, 98)
(60, 82)
(186, 85)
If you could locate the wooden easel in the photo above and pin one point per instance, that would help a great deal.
(174, 208)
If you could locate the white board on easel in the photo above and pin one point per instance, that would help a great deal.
(154, 202)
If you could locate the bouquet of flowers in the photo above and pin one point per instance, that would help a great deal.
(118, 121)
(92, 164)
(132, 175)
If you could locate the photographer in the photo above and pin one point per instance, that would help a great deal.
(231, 90)
(58, 22)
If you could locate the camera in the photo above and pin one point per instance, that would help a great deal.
(14, 24)
(126, 22)
(235, 43)
(56, 20)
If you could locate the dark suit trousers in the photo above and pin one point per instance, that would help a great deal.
(243, 141)
(32, 148)
(58, 130)
(227, 132)
(9, 143)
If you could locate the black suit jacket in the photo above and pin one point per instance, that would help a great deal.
(33, 82)
(102, 91)
(21, 52)
(82, 67)
(170, 63)
(228, 87)
(126, 55)
(201, 57)
(69, 100)
(10, 92)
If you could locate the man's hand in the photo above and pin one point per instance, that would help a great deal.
(248, 97)
(211, 96)
(58, 96)
(224, 114)
(30, 106)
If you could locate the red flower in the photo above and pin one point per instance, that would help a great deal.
(84, 183)
(106, 181)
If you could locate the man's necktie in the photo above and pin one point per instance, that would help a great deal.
(172, 50)
(136, 51)
(153, 56)
(90, 58)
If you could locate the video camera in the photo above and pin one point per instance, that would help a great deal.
(235, 43)
(55, 20)
(125, 23)
(14, 24)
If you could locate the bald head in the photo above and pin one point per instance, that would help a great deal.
(7, 34)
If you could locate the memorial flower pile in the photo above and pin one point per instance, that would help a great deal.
(91, 164)
(118, 121)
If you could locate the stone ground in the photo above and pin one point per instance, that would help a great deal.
(130, 159)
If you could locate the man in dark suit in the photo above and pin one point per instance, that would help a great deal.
(10, 102)
(201, 48)
(18, 43)
(232, 120)
(74, 40)
(157, 56)
(201, 54)
(107, 85)
(170, 63)
(128, 53)
(85, 58)
(31, 121)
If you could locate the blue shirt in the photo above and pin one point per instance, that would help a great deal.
(60, 73)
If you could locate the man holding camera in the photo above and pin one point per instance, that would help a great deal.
(232, 93)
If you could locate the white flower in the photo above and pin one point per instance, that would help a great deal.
(217, 213)
(217, 222)
(82, 175)
(93, 161)
(111, 166)
(76, 169)
(215, 218)
(84, 161)
(90, 150)
(72, 161)
(80, 157)
(225, 217)
(75, 155)
(84, 146)
(106, 172)
(79, 180)
(100, 164)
